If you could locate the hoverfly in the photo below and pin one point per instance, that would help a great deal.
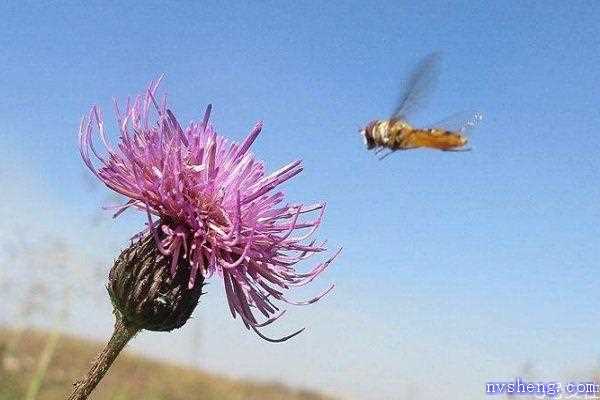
(396, 133)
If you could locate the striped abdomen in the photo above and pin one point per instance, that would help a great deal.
(435, 139)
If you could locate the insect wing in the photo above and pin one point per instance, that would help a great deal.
(462, 122)
(421, 82)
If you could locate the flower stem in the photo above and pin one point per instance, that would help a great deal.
(121, 335)
(45, 359)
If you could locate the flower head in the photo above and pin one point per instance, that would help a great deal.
(209, 201)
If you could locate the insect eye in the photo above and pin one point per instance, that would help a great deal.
(364, 136)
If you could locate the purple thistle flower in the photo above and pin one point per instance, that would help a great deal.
(215, 204)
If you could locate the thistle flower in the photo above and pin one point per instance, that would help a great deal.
(211, 206)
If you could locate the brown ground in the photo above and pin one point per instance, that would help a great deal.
(131, 377)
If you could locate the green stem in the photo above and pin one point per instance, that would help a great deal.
(48, 352)
(40, 373)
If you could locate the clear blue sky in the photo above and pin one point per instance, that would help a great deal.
(457, 267)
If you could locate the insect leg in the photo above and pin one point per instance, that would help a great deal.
(386, 154)
(458, 150)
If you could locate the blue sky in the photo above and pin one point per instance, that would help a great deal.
(457, 267)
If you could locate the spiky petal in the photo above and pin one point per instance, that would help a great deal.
(209, 201)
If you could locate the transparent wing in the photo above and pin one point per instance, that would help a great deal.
(463, 122)
(421, 82)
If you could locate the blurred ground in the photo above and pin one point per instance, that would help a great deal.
(131, 377)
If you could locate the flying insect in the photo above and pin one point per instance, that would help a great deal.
(396, 133)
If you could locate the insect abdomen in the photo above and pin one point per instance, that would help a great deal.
(434, 138)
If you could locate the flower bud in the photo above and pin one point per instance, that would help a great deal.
(145, 294)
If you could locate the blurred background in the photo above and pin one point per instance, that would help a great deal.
(457, 269)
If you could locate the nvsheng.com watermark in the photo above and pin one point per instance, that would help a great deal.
(521, 386)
